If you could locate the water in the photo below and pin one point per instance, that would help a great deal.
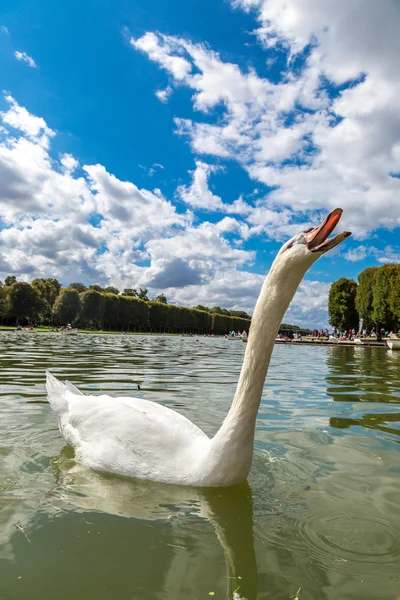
(321, 510)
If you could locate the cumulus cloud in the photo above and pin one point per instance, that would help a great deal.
(316, 144)
(24, 57)
(163, 95)
(89, 225)
(47, 209)
(197, 194)
(176, 273)
(388, 254)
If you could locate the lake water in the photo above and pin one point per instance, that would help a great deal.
(321, 510)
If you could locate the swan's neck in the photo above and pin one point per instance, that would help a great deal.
(234, 441)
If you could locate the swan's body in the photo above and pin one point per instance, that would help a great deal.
(139, 438)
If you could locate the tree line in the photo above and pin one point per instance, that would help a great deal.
(44, 301)
(374, 299)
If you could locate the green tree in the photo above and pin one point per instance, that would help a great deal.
(134, 314)
(25, 301)
(143, 294)
(364, 296)
(4, 301)
(111, 290)
(66, 307)
(92, 308)
(383, 315)
(342, 310)
(10, 280)
(239, 313)
(161, 298)
(219, 311)
(96, 288)
(112, 311)
(130, 292)
(48, 288)
(79, 287)
(394, 297)
(202, 308)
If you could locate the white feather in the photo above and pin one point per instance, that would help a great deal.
(139, 438)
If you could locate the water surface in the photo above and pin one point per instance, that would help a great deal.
(321, 510)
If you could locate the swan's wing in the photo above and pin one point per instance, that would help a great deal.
(129, 436)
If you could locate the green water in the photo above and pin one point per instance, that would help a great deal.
(321, 510)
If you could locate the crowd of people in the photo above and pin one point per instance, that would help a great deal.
(346, 335)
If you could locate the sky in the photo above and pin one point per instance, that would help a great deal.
(176, 145)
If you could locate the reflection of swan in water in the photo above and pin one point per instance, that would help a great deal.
(229, 511)
(142, 439)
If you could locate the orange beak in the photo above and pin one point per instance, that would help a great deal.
(317, 239)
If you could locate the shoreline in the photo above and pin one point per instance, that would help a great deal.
(367, 342)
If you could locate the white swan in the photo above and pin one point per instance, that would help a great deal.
(139, 438)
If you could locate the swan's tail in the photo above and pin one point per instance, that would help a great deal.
(56, 393)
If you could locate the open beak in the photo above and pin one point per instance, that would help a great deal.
(317, 239)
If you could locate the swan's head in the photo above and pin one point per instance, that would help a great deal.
(309, 245)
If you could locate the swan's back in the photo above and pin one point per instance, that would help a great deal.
(128, 436)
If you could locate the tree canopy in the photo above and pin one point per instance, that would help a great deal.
(130, 292)
(10, 280)
(25, 301)
(377, 299)
(161, 298)
(67, 306)
(383, 297)
(111, 290)
(364, 296)
(79, 287)
(341, 305)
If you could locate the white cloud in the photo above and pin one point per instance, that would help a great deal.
(34, 127)
(197, 194)
(159, 50)
(309, 306)
(388, 254)
(163, 95)
(4, 29)
(24, 57)
(96, 228)
(239, 207)
(69, 163)
(354, 135)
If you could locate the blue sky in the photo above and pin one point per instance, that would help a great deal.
(175, 145)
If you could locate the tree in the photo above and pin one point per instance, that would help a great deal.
(161, 298)
(10, 280)
(382, 310)
(25, 301)
(66, 307)
(96, 288)
(342, 310)
(201, 307)
(111, 290)
(92, 307)
(4, 301)
(219, 311)
(130, 292)
(111, 311)
(143, 294)
(79, 287)
(364, 296)
(394, 297)
(48, 288)
(239, 313)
